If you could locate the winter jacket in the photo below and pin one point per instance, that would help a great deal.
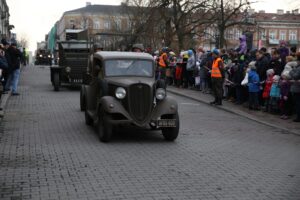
(267, 89)
(3, 63)
(275, 90)
(253, 81)
(261, 67)
(191, 63)
(243, 45)
(284, 88)
(277, 65)
(289, 66)
(15, 57)
(295, 75)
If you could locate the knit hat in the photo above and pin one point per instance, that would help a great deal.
(216, 51)
(252, 65)
(276, 78)
(270, 71)
(286, 74)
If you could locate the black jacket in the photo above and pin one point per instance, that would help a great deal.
(262, 67)
(15, 57)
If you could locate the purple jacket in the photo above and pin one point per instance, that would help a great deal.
(285, 88)
(243, 45)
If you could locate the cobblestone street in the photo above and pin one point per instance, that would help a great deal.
(47, 152)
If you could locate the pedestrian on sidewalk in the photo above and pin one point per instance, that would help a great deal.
(217, 76)
(203, 73)
(3, 67)
(285, 100)
(295, 87)
(15, 60)
(253, 87)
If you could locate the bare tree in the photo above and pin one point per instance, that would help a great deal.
(23, 41)
(229, 13)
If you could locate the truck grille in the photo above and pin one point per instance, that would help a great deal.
(140, 101)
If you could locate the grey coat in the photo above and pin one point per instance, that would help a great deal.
(295, 87)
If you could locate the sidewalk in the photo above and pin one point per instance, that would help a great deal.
(3, 102)
(287, 126)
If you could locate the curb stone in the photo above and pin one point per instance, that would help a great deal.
(239, 113)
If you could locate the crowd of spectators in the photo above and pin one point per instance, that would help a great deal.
(266, 81)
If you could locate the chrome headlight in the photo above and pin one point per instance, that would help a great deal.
(120, 93)
(68, 69)
(49, 56)
(41, 55)
(160, 93)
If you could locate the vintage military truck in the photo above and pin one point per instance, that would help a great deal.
(72, 63)
(123, 92)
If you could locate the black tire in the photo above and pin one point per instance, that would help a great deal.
(104, 128)
(82, 99)
(88, 120)
(170, 134)
(56, 81)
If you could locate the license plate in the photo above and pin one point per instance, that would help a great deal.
(166, 123)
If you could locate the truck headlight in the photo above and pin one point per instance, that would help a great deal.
(120, 93)
(41, 55)
(160, 93)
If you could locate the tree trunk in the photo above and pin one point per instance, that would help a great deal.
(221, 38)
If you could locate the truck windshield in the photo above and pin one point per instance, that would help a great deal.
(129, 68)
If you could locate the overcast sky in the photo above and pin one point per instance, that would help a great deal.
(34, 18)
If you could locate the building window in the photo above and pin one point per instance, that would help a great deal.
(72, 24)
(263, 34)
(272, 34)
(209, 33)
(229, 34)
(237, 34)
(96, 24)
(293, 35)
(106, 24)
(282, 35)
(118, 24)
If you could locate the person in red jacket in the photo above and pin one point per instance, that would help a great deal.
(267, 88)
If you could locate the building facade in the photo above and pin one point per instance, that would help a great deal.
(266, 30)
(5, 27)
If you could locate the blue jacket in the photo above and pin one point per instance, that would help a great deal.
(3, 62)
(275, 90)
(253, 81)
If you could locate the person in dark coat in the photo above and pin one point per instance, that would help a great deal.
(5, 71)
(15, 57)
(276, 64)
(261, 64)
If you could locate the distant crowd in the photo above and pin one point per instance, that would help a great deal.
(10, 61)
(267, 81)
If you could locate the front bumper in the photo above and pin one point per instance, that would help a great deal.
(113, 107)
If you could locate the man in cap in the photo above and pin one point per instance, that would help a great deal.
(138, 48)
(217, 77)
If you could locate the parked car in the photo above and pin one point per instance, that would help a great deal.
(123, 92)
(72, 63)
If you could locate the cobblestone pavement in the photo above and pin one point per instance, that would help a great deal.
(47, 152)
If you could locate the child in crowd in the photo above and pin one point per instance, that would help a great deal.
(275, 94)
(253, 87)
(285, 100)
(267, 89)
